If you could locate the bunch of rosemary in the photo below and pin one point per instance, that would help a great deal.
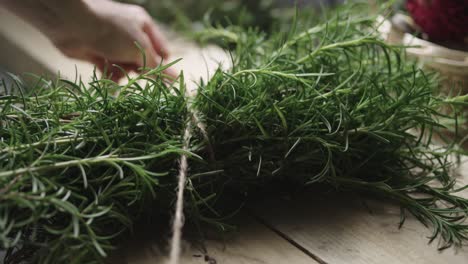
(78, 165)
(331, 104)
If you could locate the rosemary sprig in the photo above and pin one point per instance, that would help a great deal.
(330, 103)
(337, 105)
(78, 165)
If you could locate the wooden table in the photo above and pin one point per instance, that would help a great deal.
(335, 229)
(343, 229)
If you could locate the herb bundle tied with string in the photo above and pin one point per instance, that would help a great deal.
(331, 103)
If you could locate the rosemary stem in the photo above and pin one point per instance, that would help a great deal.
(58, 165)
(343, 44)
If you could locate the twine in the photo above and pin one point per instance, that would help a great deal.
(178, 223)
(179, 214)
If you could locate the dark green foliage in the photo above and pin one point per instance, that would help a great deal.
(334, 105)
(78, 165)
(331, 104)
(187, 15)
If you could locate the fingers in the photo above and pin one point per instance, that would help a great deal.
(158, 45)
(157, 39)
(110, 70)
(116, 73)
(171, 72)
(124, 53)
(152, 58)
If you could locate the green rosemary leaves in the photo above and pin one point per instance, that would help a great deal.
(330, 104)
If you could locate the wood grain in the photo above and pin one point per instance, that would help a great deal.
(252, 243)
(335, 231)
(346, 229)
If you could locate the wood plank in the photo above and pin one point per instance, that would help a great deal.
(342, 230)
(252, 243)
(29, 51)
(336, 231)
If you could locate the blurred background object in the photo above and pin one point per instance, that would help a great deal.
(188, 14)
(23, 49)
(442, 21)
(435, 32)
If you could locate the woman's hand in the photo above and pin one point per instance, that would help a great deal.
(100, 31)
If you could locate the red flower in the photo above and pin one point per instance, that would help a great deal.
(441, 20)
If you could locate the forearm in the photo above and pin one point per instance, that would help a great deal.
(49, 16)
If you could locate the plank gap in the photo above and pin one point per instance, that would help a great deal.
(286, 237)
